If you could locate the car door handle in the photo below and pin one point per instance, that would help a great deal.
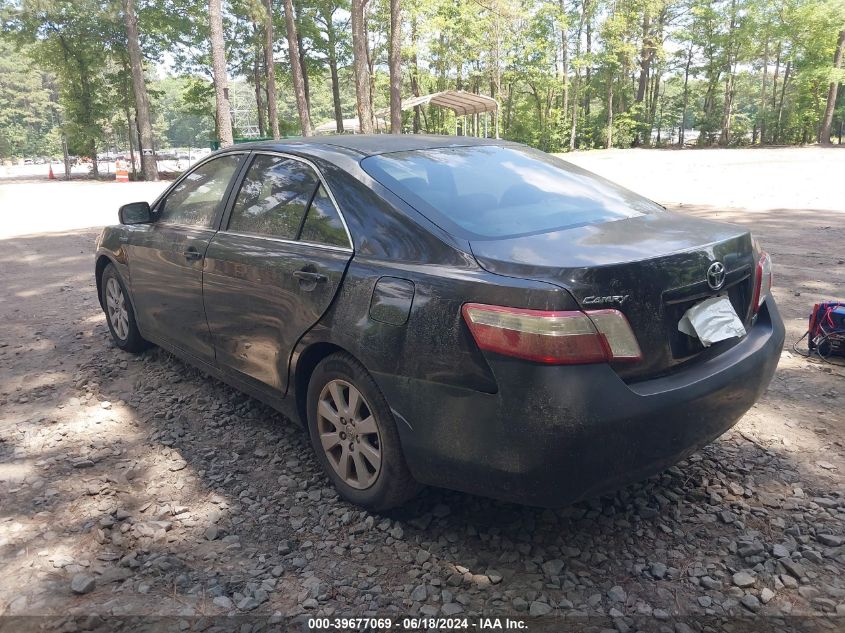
(192, 254)
(306, 275)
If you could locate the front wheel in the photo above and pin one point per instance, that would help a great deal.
(119, 314)
(354, 435)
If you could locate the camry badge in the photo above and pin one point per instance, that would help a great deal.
(593, 300)
(716, 275)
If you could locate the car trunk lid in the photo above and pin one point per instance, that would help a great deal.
(652, 268)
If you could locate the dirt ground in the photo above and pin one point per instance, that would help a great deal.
(136, 485)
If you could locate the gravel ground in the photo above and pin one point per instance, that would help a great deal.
(137, 485)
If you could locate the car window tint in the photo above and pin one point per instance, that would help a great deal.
(195, 200)
(323, 224)
(493, 191)
(273, 197)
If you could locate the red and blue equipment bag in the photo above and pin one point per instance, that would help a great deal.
(827, 329)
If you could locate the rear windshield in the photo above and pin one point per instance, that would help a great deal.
(488, 191)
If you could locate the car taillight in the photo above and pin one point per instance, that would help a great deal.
(553, 337)
(763, 282)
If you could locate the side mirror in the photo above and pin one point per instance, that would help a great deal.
(135, 213)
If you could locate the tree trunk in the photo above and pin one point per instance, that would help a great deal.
(660, 117)
(270, 66)
(438, 115)
(573, 132)
(827, 120)
(610, 111)
(763, 93)
(775, 80)
(709, 107)
(129, 138)
(686, 98)
(371, 62)
(361, 67)
(651, 111)
(66, 156)
(539, 105)
(727, 112)
(588, 72)
(395, 62)
(95, 165)
(496, 92)
(303, 57)
(331, 35)
(266, 93)
(782, 95)
(256, 79)
(509, 107)
(415, 73)
(564, 54)
(221, 81)
(645, 59)
(86, 100)
(642, 82)
(88, 115)
(149, 169)
(65, 153)
(730, 69)
(655, 36)
(296, 70)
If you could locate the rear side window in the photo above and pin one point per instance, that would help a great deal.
(323, 224)
(489, 191)
(195, 200)
(273, 197)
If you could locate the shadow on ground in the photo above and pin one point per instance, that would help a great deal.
(178, 495)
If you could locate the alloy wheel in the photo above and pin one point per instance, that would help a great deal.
(117, 311)
(349, 434)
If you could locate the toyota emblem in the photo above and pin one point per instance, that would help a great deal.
(716, 275)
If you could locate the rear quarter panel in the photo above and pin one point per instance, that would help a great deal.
(392, 239)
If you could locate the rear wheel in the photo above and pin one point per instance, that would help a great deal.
(119, 314)
(354, 435)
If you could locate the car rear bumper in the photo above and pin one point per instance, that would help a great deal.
(552, 435)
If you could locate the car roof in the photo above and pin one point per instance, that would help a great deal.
(368, 144)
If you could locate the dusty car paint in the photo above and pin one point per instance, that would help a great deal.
(467, 419)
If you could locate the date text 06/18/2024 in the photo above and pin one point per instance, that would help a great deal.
(417, 624)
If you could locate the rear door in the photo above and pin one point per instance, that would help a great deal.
(166, 257)
(274, 267)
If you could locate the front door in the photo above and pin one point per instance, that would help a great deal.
(273, 269)
(166, 257)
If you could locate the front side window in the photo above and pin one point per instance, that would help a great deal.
(273, 198)
(195, 200)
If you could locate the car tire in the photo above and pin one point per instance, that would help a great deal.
(348, 439)
(120, 317)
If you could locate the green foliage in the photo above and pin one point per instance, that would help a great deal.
(184, 108)
(71, 39)
(27, 110)
(625, 127)
(717, 68)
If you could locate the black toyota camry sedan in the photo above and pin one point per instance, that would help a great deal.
(464, 313)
